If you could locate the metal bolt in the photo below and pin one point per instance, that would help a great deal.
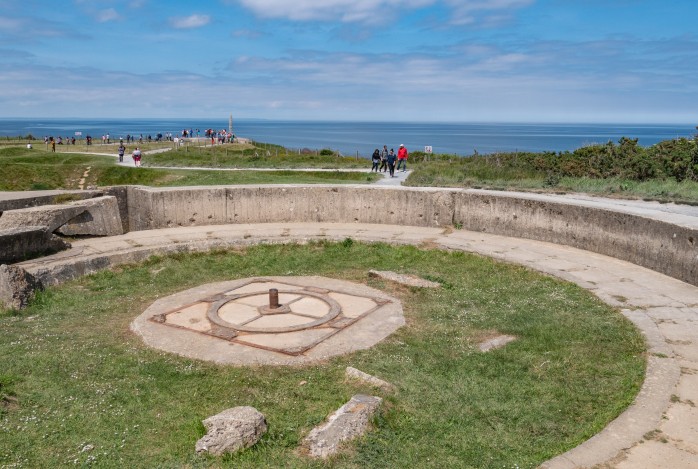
(273, 298)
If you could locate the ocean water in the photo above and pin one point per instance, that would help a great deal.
(352, 138)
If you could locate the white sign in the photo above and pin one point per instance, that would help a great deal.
(428, 149)
(78, 134)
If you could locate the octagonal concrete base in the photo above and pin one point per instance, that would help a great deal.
(225, 322)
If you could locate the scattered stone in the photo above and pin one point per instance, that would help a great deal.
(369, 379)
(346, 423)
(232, 430)
(16, 286)
(409, 280)
(496, 342)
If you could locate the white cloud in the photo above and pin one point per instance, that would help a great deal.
(189, 22)
(468, 12)
(109, 14)
(376, 11)
(344, 10)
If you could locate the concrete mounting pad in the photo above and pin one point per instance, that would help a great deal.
(233, 322)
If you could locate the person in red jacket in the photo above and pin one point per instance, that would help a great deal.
(402, 158)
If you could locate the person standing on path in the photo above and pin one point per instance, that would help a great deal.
(375, 160)
(384, 159)
(391, 163)
(137, 157)
(122, 150)
(402, 158)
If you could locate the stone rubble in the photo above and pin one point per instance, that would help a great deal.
(359, 375)
(403, 279)
(232, 430)
(350, 421)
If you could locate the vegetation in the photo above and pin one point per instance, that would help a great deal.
(251, 156)
(86, 391)
(665, 171)
(24, 169)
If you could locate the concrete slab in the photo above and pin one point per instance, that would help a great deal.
(210, 323)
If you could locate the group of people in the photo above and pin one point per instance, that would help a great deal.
(384, 161)
(221, 136)
(136, 155)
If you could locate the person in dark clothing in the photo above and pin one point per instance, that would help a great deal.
(375, 160)
(384, 159)
(391, 162)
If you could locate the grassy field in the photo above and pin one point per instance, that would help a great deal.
(23, 169)
(78, 388)
(463, 172)
(37, 169)
(249, 156)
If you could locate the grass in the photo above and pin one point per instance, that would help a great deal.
(460, 172)
(88, 392)
(248, 156)
(23, 169)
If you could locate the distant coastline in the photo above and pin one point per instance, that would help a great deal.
(351, 138)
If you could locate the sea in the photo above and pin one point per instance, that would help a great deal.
(361, 138)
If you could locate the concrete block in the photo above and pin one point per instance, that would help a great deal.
(17, 244)
(100, 218)
(50, 216)
(348, 422)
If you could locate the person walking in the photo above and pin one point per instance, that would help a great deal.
(122, 150)
(375, 159)
(384, 159)
(137, 157)
(391, 163)
(402, 158)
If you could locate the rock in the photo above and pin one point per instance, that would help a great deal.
(409, 280)
(369, 379)
(496, 342)
(232, 430)
(346, 423)
(16, 286)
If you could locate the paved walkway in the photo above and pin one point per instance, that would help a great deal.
(660, 430)
(400, 176)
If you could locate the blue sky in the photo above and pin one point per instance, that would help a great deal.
(377, 60)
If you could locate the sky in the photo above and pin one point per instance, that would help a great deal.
(541, 61)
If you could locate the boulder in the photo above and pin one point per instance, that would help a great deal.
(232, 430)
(346, 423)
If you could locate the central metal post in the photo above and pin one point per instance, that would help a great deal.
(273, 298)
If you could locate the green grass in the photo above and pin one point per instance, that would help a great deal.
(248, 156)
(462, 172)
(22, 169)
(80, 377)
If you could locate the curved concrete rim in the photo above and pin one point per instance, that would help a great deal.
(663, 308)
